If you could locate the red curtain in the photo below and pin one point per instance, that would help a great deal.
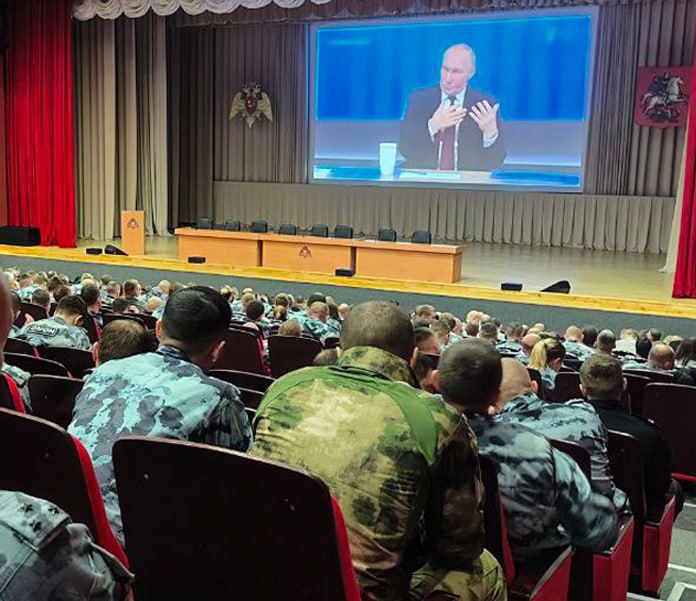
(685, 275)
(39, 118)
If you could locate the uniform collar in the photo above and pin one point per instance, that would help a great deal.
(524, 402)
(173, 352)
(378, 361)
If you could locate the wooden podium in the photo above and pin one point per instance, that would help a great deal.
(133, 232)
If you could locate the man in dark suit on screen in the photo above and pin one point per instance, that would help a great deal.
(452, 126)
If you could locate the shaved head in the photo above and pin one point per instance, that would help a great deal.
(380, 324)
(515, 382)
(661, 355)
(573, 333)
(529, 341)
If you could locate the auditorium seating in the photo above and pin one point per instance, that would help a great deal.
(599, 576)
(43, 460)
(653, 525)
(673, 408)
(53, 397)
(76, 361)
(288, 353)
(36, 365)
(10, 397)
(241, 352)
(36, 312)
(89, 323)
(21, 347)
(567, 387)
(547, 578)
(635, 386)
(664, 377)
(242, 528)
(535, 376)
(243, 379)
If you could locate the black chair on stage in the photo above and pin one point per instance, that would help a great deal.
(288, 229)
(421, 237)
(204, 223)
(343, 231)
(259, 227)
(233, 225)
(319, 231)
(386, 235)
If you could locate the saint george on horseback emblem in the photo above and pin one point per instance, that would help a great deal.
(251, 103)
(662, 96)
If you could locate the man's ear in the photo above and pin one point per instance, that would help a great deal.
(535, 387)
(624, 384)
(216, 350)
(435, 379)
(584, 392)
(95, 353)
(158, 329)
(414, 357)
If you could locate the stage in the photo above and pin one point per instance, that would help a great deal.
(605, 284)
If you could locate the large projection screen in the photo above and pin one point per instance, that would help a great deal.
(485, 102)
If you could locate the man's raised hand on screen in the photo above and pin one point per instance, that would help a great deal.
(486, 117)
(445, 117)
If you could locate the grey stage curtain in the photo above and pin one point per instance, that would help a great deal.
(276, 57)
(623, 223)
(120, 109)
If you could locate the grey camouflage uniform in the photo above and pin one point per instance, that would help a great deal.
(55, 332)
(21, 379)
(575, 421)
(317, 329)
(26, 292)
(154, 394)
(548, 501)
(509, 346)
(44, 557)
(580, 350)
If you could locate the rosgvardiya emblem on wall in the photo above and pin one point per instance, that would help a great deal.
(132, 224)
(251, 103)
(305, 253)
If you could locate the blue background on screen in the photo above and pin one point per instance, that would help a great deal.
(536, 67)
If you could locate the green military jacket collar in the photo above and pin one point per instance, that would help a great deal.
(380, 362)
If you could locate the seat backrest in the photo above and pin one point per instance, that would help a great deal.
(36, 311)
(243, 379)
(343, 231)
(149, 321)
(76, 361)
(53, 398)
(241, 528)
(635, 386)
(386, 235)
(233, 225)
(320, 231)
(204, 223)
(10, 397)
(494, 517)
(20, 347)
(421, 237)
(36, 365)
(567, 386)
(626, 463)
(535, 376)
(241, 352)
(258, 227)
(575, 452)
(673, 408)
(287, 229)
(663, 377)
(251, 398)
(44, 461)
(288, 353)
(90, 325)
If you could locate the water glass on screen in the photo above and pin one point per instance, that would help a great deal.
(387, 158)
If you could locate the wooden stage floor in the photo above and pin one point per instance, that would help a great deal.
(602, 280)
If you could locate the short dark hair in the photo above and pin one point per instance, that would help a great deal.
(422, 334)
(254, 310)
(61, 292)
(654, 334)
(130, 287)
(120, 305)
(602, 377)
(71, 305)
(40, 297)
(123, 338)
(380, 324)
(589, 335)
(89, 294)
(470, 374)
(196, 317)
(643, 346)
(54, 282)
(686, 350)
(316, 297)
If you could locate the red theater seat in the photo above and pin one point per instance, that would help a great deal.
(10, 397)
(242, 352)
(20, 347)
(76, 361)
(547, 577)
(37, 365)
(288, 353)
(567, 387)
(653, 529)
(242, 528)
(50, 464)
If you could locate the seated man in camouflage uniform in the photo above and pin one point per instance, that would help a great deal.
(315, 324)
(18, 376)
(401, 463)
(575, 421)
(61, 330)
(573, 343)
(165, 393)
(44, 557)
(547, 499)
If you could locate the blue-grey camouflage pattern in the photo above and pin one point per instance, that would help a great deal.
(137, 301)
(26, 292)
(575, 421)
(509, 346)
(318, 329)
(632, 364)
(98, 317)
(14, 331)
(547, 499)
(55, 332)
(21, 379)
(154, 394)
(522, 357)
(44, 557)
(548, 381)
(578, 349)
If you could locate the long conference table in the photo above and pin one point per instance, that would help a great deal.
(366, 258)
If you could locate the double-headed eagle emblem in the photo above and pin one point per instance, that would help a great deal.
(250, 103)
